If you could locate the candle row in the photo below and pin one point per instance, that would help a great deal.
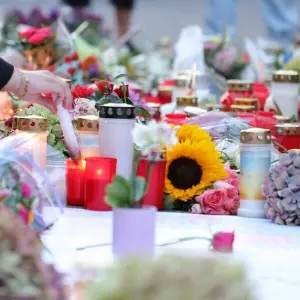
(86, 182)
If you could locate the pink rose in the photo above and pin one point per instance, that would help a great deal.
(212, 202)
(195, 209)
(26, 190)
(223, 241)
(233, 204)
(232, 173)
(37, 38)
(28, 33)
(47, 31)
(231, 190)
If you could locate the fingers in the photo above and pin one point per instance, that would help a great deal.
(38, 99)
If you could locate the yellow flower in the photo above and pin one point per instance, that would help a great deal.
(192, 167)
(192, 132)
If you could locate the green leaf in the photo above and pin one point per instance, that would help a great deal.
(139, 187)
(142, 111)
(119, 76)
(118, 193)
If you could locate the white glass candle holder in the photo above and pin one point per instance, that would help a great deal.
(88, 136)
(255, 161)
(34, 138)
(285, 90)
(179, 90)
(185, 101)
(115, 140)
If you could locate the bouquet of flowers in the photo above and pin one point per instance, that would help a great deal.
(24, 274)
(161, 279)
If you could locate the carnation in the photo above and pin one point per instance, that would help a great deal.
(83, 107)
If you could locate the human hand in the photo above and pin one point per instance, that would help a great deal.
(40, 82)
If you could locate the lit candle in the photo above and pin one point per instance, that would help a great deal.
(75, 182)
(88, 136)
(35, 145)
(99, 172)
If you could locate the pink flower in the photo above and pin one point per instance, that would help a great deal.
(233, 204)
(212, 202)
(223, 241)
(195, 209)
(230, 189)
(4, 193)
(24, 215)
(47, 31)
(26, 190)
(28, 33)
(37, 38)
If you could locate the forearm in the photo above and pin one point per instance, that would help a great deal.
(123, 4)
(6, 73)
(77, 3)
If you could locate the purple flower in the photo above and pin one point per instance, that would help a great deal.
(297, 162)
(285, 159)
(54, 14)
(138, 101)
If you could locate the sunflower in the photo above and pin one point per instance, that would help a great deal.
(192, 167)
(192, 132)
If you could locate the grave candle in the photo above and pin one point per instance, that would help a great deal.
(99, 172)
(75, 182)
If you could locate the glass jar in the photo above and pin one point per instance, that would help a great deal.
(248, 101)
(236, 89)
(285, 90)
(155, 111)
(215, 106)
(288, 136)
(35, 143)
(180, 88)
(164, 94)
(186, 101)
(242, 108)
(87, 129)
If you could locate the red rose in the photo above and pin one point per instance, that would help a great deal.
(223, 241)
(37, 38)
(122, 91)
(82, 92)
(28, 33)
(212, 202)
(8, 122)
(68, 59)
(71, 71)
(47, 31)
(51, 68)
(75, 56)
(104, 86)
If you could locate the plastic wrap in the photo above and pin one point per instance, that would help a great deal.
(24, 186)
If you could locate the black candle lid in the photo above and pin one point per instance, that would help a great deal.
(117, 111)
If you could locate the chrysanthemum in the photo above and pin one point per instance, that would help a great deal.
(192, 167)
(192, 132)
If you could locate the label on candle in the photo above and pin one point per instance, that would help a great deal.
(254, 169)
(88, 141)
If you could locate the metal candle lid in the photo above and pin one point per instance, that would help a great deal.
(242, 108)
(88, 123)
(187, 101)
(117, 111)
(248, 101)
(288, 129)
(193, 111)
(286, 76)
(32, 124)
(154, 106)
(165, 90)
(256, 136)
(239, 85)
(215, 106)
(282, 119)
(181, 81)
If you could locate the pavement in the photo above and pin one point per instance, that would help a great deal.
(160, 18)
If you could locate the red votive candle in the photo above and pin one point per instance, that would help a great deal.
(99, 172)
(75, 182)
(156, 182)
(175, 119)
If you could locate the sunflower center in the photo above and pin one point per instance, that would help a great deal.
(184, 173)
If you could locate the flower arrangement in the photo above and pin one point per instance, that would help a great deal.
(203, 278)
(196, 177)
(24, 275)
(151, 140)
(282, 190)
(108, 93)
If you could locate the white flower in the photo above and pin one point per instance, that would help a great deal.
(83, 107)
(152, 137)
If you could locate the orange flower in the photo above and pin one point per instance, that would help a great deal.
(88, 62)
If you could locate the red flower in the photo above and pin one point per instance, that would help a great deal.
(51, 68)
(26, 190)
(75, 56)
(223, 241)
(68, 59)
(8, 122)
(37, 38)
(122, 91)
(104, 86)
(47, 31)
(71, 71)
(82, 92)
(28, 33)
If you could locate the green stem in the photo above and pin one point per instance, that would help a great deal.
(280, 146)
(181, 240)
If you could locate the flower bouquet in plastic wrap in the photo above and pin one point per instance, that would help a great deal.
(24, 187)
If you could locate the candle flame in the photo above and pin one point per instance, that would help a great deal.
(99, 172)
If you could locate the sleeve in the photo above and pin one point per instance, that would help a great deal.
(123, 4)
(6, 72)
(77, 3)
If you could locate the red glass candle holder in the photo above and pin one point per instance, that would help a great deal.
(261, 92)
(175, 119)
(75, 182)
(287, 137)
(99, 172)
(156, 181)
